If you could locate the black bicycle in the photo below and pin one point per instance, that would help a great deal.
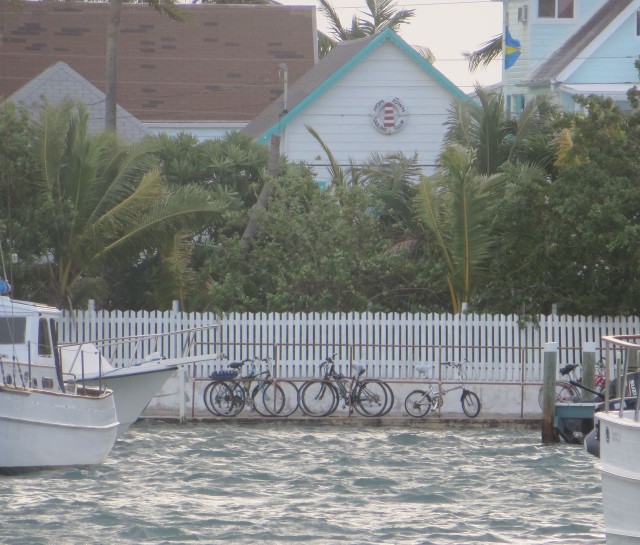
(420, 402)
(321, 397)
(227, 394)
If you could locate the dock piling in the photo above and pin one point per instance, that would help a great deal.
(549, 435)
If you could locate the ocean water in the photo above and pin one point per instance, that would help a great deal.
(313, 484)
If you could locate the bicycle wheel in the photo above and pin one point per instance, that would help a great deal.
(370, 398)
(285, 395)
(205, 396)
(237, 397)
(318, 398)
(417, 404)
(221, 398)
(470, 403)
(391, 398)
(565, 393)
(268, 399)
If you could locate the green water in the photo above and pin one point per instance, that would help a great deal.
(283, 484)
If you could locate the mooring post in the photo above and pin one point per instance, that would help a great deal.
(549, 393)
(182, 398)
(589, 365)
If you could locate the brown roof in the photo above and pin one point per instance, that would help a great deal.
(339, 55)
(551, 68)
(221, 64)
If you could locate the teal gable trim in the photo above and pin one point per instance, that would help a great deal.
(386, 35)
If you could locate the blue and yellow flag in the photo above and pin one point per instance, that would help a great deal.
(511, 49)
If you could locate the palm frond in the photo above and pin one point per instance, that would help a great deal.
(335, 170)
(488, 52)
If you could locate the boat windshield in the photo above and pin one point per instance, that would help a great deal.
(13, 330)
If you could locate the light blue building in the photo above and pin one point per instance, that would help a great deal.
(565, 48)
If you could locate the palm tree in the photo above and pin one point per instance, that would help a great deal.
(107, 203)
(490, 50)
(495, 136)
(456, 206)
(381, 14)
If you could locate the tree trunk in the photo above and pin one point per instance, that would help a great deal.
(261, 204)
(111, 69)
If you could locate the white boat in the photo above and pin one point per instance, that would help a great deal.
(141, 371)
(134, 386)
(41, 428)
(616, 440)
(45, 423)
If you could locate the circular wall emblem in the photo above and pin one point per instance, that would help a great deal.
(389, 115)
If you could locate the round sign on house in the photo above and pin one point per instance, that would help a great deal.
(389, 115)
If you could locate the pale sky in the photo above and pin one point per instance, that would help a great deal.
(447, 27)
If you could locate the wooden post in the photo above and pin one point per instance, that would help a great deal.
(632, 358)
(182, 398)
(589, 366)
(549, 393)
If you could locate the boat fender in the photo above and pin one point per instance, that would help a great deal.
(592, 441)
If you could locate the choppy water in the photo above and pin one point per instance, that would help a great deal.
(312, 484)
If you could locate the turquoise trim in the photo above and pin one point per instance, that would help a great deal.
(379, 39)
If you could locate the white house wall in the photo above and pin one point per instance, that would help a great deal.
(607, 64)
(343, 115)
(548, 34)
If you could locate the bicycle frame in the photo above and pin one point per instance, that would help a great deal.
(435, 397)
(345, 386)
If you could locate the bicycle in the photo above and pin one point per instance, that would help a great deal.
(420, 402)
(321, 397)
(226, 395)
(569, 390)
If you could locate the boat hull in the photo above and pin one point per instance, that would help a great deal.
(45, 429)
(133, 389)
(619, 445)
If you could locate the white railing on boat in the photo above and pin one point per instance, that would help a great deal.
(621, 353)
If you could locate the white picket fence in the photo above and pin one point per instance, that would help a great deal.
(498, 348)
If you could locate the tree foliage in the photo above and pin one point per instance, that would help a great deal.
(380, 14)
(317, 251)
(104, 203)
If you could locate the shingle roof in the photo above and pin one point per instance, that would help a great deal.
(221, 64)
(327, 71)
(59, 82)
(560, 59)
(304, 86)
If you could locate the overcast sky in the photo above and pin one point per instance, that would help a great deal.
(447, 27)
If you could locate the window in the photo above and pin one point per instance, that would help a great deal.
(514, 104)
(556, 9)
(44, 338)
(12, 330)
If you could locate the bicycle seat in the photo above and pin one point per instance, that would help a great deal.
(568, 368)
(422, 368)
(236, 364)
(223, 375)
(358, 367)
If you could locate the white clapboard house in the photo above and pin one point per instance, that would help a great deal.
(371, 95)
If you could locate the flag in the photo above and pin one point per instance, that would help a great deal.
(511, 49)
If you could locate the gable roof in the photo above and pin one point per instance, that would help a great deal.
(342, 58)
(603, 22)
(220, 64)
(59, 82)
